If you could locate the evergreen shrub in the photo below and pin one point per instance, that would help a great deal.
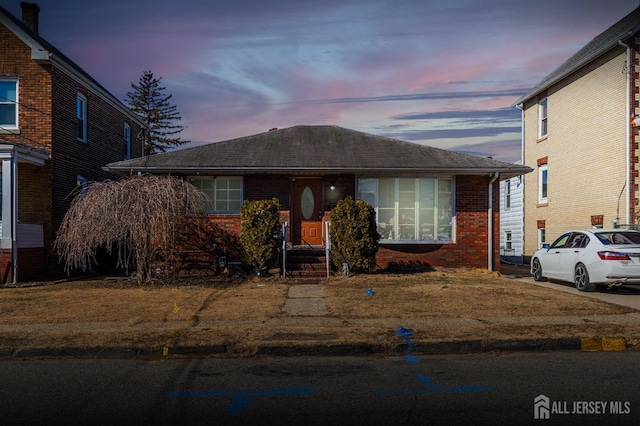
(258, 220)
(354, 235)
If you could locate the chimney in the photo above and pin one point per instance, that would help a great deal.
(30, 15)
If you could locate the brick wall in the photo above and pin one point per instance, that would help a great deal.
(70, 157)
(264, 187)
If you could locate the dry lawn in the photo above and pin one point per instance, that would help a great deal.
(241, 313)
(454, 294)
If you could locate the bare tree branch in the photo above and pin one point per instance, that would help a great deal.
(136, 217)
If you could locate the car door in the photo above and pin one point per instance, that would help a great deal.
(550, 259)
(569, 254)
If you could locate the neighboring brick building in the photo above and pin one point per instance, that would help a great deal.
(578, 136)
(434, 207)
(58, 127)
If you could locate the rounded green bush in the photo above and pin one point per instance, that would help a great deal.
(354, 235)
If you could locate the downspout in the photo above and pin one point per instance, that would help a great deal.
(628, 134)
(490, 227)
(522, 224)
(14, 218)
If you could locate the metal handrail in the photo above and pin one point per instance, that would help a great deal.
(327, 246)
(284, 249)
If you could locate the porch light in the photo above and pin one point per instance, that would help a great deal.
(332, 186)
(635, 122)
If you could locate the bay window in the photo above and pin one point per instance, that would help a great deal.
(411, 209)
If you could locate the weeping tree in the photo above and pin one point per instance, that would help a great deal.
(136, 217)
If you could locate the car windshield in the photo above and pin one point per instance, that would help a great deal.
(619, 237)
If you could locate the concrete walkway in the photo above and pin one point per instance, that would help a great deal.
(305, 300)
(624, 296)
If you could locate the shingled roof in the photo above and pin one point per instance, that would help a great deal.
(620, 31)
(315, 150)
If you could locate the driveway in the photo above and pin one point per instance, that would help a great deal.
(623, 295)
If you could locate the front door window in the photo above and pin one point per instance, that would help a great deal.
(307, 206)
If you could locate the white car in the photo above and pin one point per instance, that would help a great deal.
(590, 257)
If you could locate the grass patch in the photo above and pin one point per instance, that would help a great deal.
(241, 312)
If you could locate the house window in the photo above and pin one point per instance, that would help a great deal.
(543, 178)
(507, 194)
(8, 103)
(81, 118)
(224, 194)
(508, 241)
(542, 237)
(542, 114)
(82, 184)
(411, 209)
(126, 133)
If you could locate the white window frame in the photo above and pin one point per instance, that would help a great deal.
(507, 194)
(126, 133)
(542, 237)
(81, 117)
(213, 192)
(387, 230)
(3, 101)
(543, 184)
(508, 240)
(543, 117)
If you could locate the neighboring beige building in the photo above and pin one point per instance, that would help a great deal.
(579, 138)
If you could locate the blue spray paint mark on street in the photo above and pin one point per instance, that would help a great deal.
(240, 399)
(406, 333)
(430, 388)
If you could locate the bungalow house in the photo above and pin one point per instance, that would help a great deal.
(58, 127)
(580, 135)
(434, 207)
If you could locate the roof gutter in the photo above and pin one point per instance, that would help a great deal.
(504, 172)
(490, 253)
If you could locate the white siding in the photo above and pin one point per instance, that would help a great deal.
(512, 218)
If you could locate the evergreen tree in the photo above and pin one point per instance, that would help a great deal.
(149, 102)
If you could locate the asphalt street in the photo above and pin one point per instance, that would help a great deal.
(483, 389)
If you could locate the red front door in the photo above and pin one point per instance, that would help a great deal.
(306, 226)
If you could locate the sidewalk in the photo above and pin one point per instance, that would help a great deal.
(306, 301)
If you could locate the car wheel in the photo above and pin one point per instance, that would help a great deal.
(536, 270)
(581, 278)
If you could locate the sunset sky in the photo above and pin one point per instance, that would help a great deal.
(442, 73)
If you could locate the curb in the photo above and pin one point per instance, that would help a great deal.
(588, 344)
